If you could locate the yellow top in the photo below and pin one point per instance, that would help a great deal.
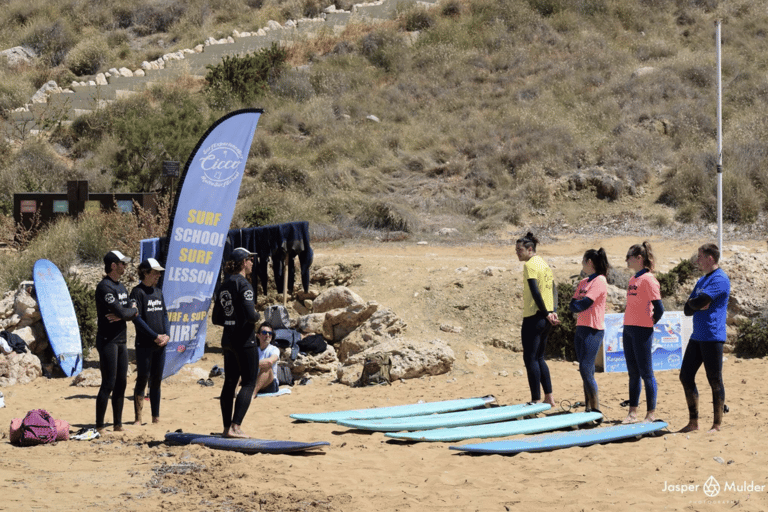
(536, 268)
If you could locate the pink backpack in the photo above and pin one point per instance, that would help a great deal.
(37, 427)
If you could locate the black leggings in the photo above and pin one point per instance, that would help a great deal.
(710, 353)
(149, 367)
(113, 364)
(238, 362)
(534, 333)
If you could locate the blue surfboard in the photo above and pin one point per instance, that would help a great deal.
(397, 411)
(242, 445)
(59, 317)
(557, 440)
(502, 429)
(450, 419)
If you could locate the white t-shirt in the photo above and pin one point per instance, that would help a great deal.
(270, 351)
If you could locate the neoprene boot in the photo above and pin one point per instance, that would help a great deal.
(138, 405)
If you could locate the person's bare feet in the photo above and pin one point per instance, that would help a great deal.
(715, 428)
(649, 418)
(690, 427)
(155, 419)
(631, 418)
(118, 428)
(137, 423)
(549, 400)
(235, 432)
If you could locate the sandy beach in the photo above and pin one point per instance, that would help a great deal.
(424, 285)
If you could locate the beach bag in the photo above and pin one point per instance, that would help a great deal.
(277, 316)
(313, 344)
(284, 375)
(376, 370)
(37, 427)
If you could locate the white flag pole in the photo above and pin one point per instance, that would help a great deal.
(719, 141)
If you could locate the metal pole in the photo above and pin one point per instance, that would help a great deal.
(719, 141)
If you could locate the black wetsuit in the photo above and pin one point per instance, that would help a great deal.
(150, 357)
(112, 297)
(238, 342)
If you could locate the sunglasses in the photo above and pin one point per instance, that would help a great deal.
(266, 332)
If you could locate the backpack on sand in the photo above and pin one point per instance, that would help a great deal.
(37, 427)
(376, 370)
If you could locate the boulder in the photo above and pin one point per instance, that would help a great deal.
(310, 323)
(19, 55)
(88, 378)
(340, 322)
(325, 362)
(19, 368)
(338, 297)
(410, 360)
(383, 325)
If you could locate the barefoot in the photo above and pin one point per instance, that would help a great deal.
(118, 428)
(549, 400)
(690, 427)
(715, 428)
(235, 432)
(649, 418)
(137, 423)
(631, 418)
(155, 419)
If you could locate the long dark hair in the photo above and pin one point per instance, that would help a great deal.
(599, 260)
(646, 252)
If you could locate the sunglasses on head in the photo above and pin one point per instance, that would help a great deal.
(266, 332)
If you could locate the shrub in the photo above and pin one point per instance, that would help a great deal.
(50, 41)
(417, 19)
(670, 281)
(752, 339)
(85, 310)
(560, 342)
(247, 77)
(387, 216)
(741, 201)
(87, 57)
(260, 216)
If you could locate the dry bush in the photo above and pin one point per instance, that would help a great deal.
(88, 56)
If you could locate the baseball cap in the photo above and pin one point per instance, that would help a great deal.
(115, 257)
(240, 254)
(150, 264)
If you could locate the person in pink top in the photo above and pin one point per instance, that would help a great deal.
(588, 303)
(643, 310)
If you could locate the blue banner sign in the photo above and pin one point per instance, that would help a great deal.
(670, 336)
(202, 214)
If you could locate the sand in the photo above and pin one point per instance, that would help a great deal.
(136, 470)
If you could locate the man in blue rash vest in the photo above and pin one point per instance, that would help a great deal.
(235, 308)
(152, 328)
(113, 308)
(708, 304)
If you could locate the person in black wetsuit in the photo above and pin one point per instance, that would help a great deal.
(113, 308)
(235, 309)
(152, 328)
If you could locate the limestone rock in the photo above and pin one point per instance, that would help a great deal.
(88, 378)
(476, 357)
(338, 297)
(410, 360)
(19, 368)
(311, 323)
(19, 55)
(384, 324)
(340, 322)
(325, 362)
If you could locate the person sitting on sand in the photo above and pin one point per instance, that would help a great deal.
(152, 328)
(235, 300)
(643, 310)
(708, 304)
(539, 316)
(588, 303)
(269, 354)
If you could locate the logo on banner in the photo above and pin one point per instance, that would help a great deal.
(219, 163)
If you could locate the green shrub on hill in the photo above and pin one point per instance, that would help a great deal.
(85, 309)
(244, 77)
(560, 342)
(670, 281)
